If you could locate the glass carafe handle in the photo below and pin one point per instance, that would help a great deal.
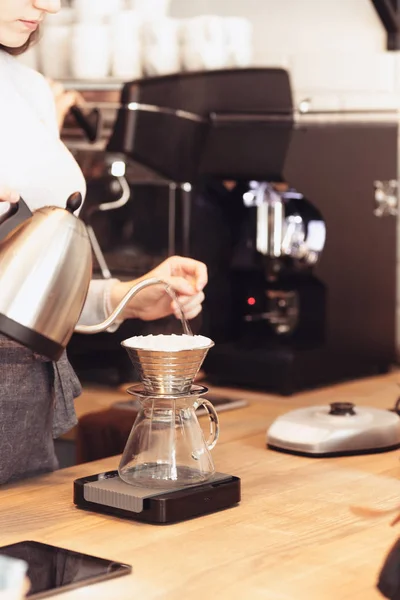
(214, 422)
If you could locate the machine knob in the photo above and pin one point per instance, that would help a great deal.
(342, 409)
(386, 198)
(250, 198)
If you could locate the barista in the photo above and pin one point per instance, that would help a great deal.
(37, 396)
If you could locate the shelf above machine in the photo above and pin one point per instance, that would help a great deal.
(82, 85)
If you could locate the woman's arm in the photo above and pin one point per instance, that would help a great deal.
(187, 277)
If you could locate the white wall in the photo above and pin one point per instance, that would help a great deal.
(335, 50)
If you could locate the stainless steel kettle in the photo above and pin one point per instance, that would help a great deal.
(45, 272)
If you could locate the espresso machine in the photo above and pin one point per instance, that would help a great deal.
(293, 212)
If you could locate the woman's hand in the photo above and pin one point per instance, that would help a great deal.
(7, 195)
(186, 276)
(64, 100)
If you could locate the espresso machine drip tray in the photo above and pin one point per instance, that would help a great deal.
(107, 493)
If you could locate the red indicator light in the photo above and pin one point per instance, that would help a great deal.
(251, 301)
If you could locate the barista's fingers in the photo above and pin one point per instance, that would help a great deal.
(191, 305)
(189, 315)
(188, 302)
(180, 286)
(7, 195)
(68, 100)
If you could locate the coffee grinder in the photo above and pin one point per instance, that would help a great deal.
(278, 304)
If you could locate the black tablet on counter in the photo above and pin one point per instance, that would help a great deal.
(52, 570)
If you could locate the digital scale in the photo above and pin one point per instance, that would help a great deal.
(107, 493)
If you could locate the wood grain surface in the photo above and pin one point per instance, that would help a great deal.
(293, 536)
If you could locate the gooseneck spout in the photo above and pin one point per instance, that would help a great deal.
(135, 289)
(104, 325)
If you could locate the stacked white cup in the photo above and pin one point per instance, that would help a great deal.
(90, 51)
(129, 39)
(91, 44)
(99, 11)
(239, 36)
(55, 44)
(211, 42)
(204, 43)
(126, 51)
(161, 47)
(150, 9)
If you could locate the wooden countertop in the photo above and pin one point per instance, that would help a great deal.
(293, 537)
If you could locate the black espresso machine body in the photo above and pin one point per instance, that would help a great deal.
(302, 260)
(338, 318)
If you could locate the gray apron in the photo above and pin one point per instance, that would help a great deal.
(36, 406)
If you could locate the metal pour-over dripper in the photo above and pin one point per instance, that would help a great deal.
(167, 372)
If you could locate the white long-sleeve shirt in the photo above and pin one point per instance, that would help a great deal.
(35, 162)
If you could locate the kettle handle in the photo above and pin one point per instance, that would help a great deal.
(17, 214)
(90, 124)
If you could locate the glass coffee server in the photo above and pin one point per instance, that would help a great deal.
(166, 447)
